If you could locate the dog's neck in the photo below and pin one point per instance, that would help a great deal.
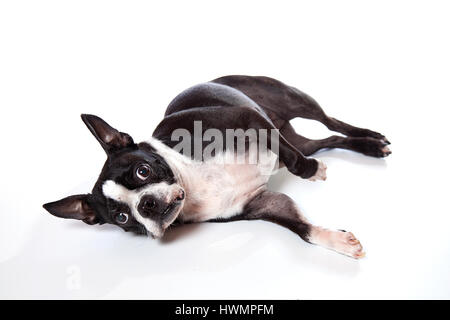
(214, 188)
(181, 165)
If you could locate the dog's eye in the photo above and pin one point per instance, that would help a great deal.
(122, 218)
(143, 172)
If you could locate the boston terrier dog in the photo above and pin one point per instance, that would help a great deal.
(146, 187)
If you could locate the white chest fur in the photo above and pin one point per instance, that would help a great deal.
(220, 187)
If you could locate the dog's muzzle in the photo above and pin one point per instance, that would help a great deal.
(154, 208)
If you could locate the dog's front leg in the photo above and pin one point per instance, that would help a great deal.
(290, 156)
(279, 208)
(243, 118)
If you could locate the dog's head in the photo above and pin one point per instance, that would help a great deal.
(136, 190)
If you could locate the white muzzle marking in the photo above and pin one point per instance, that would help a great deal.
(132, 198)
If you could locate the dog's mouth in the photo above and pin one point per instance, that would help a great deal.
(168, 216)
(173, 209)
(171, 213)
(170, 209)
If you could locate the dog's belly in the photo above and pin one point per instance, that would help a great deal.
(220, 189)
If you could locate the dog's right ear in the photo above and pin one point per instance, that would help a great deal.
(73, 207)
(109, 138)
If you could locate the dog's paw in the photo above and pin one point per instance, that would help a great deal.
(371, 134)
(340, 241)
(321, 173)
(385, 140)
(381, 149)
(372, 147)
(385, 151)
(346, 243)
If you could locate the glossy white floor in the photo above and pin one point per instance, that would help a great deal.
(384, 67)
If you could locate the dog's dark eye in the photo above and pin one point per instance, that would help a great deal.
(122, 218)
(143, 172)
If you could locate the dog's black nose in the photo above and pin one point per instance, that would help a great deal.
(149, 206)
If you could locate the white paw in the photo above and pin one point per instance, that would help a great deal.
(321, 173)
(340, 241)
(346, 243)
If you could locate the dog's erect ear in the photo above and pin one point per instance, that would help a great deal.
(73, 207)
(110, 138)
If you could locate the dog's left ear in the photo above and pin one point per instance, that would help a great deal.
(109, 138)
(73, 207)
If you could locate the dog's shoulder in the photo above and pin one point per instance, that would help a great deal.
(210, 94)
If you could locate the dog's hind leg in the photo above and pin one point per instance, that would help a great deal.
(281, 209)
(289, 103)
(365, 145)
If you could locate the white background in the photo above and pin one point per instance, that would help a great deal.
(379, 64)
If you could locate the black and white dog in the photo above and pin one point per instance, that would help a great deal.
(147, 187)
